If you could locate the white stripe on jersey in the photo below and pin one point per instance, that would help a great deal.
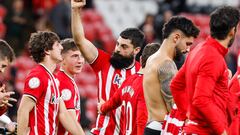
(105, 124)
(46, 107)
(133, 70)
(100, 85)
(117, 117)
(35, 116)
(123, 73)
(109, 81)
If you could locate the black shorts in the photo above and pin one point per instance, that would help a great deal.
(149, 131)
(153, 128)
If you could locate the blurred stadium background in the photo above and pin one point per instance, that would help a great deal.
(103, 20)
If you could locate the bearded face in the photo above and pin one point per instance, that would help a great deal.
(119, 61)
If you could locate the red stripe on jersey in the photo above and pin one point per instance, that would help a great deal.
(70, 95)
(42, 119)
(109, 80)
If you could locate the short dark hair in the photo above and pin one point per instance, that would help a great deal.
(135, 35)
(222, 20)
(68, 44)
(148, 50)
(6, 51)
(40, 42)
(180, 23)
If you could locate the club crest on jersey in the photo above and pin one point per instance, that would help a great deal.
(34, 83)
(117, 80)
(54, 99)
(66, 94)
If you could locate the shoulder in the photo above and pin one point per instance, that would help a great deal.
(38, 72)
(167, 67)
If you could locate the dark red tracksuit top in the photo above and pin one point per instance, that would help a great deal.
(200, 89)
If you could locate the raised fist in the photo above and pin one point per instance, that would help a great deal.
(78, 3)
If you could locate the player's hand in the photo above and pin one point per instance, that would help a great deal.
(78, 3)
(224, 132)
(11, 127)
(101, 102)
(5, 97)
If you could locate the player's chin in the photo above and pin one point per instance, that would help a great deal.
(77, 70)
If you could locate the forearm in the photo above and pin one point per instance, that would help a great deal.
(77, 27)
(22, 120)
(111, 104)
(70, 124)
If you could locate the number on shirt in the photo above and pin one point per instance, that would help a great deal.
(128, 113)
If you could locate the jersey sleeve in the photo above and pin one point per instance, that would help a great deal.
(202, 99)
(68, 95)
(112, 103)
(177, 87)
(35, 86)
(101, 61)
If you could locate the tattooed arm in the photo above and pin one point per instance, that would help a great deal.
(166, 72)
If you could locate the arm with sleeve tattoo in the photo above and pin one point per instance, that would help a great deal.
(166, 72)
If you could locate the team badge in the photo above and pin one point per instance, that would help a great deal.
(34, 83)
(66, 94)
(117, 80)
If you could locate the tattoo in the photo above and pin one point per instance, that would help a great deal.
(166, 72)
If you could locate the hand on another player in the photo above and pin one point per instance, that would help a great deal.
(100, 103)
(78, 3)
(11, 127)
(5, 97)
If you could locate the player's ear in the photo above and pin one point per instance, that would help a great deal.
(47, 52)
(136, 50)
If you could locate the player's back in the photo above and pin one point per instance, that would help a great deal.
(152, 81)
(135, 111)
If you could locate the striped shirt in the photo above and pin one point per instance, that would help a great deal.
(42, 87)
(109, 80)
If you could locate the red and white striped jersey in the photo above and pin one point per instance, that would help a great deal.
(134, 110)
(174, 122)
(42, 87)
(70, 95)
(109, 80)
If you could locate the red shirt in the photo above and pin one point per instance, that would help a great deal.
(42, 87)
(200, 88)
(134, 111)
(109, 80)
(235, 90)
(70, 95)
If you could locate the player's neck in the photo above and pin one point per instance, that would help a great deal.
(224, 43)
(167, 48)
(67, 72)
(131, 64)
(49, 65)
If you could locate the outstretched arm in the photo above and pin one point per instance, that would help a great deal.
(88, 50)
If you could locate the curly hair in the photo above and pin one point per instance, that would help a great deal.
(135, 35)
(6, 51)
(180, 23)
(222, 20)
(40, 42)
